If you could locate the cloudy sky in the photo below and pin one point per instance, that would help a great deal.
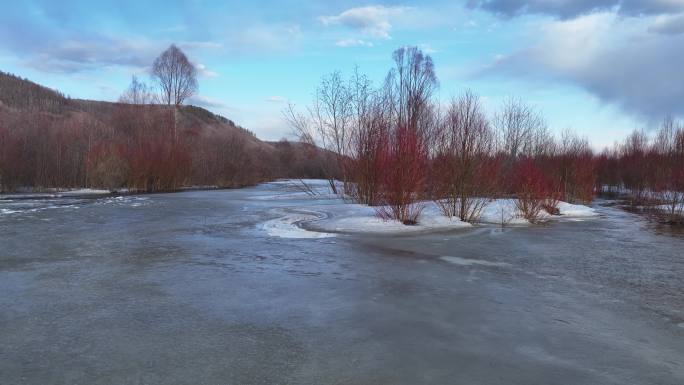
(600, 67)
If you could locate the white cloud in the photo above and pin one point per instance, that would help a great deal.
(276, 99)
(568, 9)
(199, 45)
(264, 38)
(427, 49)
(207, 102)
(669, 24)
(470, 24)
(614, 57)
(373, 20)
(351, 42)
(203, 71)
(93, 52)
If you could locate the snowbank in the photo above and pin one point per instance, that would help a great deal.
(327, 214)
(55, 193)
(576, 211)
(504, 210)
(356, 218)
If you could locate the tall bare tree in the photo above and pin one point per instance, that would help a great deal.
(328, 124)
(463, 163)
(411, 82)
(176, 76)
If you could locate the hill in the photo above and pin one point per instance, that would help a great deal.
(50, 141)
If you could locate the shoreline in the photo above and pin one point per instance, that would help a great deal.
(86, 193)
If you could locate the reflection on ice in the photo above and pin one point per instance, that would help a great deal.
(287, 225)
(30, 206)
(469, 262)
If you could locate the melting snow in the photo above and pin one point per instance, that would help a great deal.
(330, 214)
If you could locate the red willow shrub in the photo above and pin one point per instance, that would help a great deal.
(607, 172)
(648, 169)
(554, 194)
(403, 166)
(107, 166)
(633, 167)
(668, 191)
(366, 168)
(666, 171)
(531, 189)
(578, 173)
(463, 170)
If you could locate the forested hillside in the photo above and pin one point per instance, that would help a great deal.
(50, 141)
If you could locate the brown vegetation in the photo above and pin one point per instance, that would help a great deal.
(391, 147)
(49, 141)
(395, 148)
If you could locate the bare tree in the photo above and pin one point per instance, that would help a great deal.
(369, 139)
(464, 168)
(665, 141)
(518, 126)
(137, 93)
(667, 171)
(634, 172)
(411, 84)
(175, 75)
(332, 113)
(328, 124)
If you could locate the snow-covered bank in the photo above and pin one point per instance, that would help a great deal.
(56, 193)
(325, 213)
(356, 218)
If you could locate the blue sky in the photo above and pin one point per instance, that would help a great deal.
(599, 67)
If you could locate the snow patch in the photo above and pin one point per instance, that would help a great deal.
(577, 211)
(356, 218)
(502, 211)
(344, 217)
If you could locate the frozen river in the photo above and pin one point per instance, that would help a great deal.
(213, 287)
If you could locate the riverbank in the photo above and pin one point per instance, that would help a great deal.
(55, 193)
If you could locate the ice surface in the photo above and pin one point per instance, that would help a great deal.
(287, 225)
(469, 262)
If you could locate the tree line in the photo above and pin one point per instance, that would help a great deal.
(396, 145)
(149, 141)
